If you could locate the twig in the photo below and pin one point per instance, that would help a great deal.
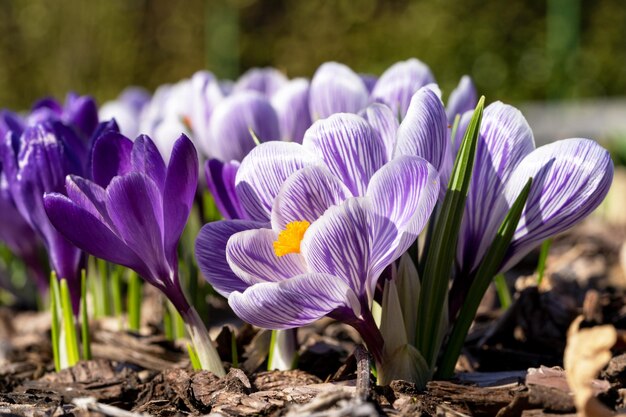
(363, 385)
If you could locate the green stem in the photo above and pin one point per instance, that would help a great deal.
(207, 355)
(54, 330)
(104, 287)
(116, 291)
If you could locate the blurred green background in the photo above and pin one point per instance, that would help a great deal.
(515, 50)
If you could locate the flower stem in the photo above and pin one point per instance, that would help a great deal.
(283, 350)
(207, 354)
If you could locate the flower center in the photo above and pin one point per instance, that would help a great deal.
(289, 239)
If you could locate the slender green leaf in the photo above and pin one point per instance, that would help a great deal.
(502, 288)
(193, 357)
(442, 249)
(103, 291)
(270, 355)
(233, 349)
(168, 322)
(116, 292)
(69, 326)
(487, 269)
(543, 255)
(84, 318)
(134, 301)
(54, 330)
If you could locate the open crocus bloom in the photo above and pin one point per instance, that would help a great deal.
(328, 216)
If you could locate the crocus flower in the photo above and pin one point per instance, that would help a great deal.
(291, 103)
(266, 81)
(133, 214)
(80, 113)
(37, 162)
(335, 88)
(328, 216)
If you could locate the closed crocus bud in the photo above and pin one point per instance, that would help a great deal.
(126, 110)
(291, 103)
(237, 121)
(398, 84)
(462, 99)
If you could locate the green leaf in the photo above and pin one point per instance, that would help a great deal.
(486, 271)
(442, 249)
(134, 301)
(84, 318)
(69, 326)
(543, 255)
(502, 288)
(193, 357)
(54, 328)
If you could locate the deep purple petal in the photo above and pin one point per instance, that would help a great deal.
(571, 177)
(349, 147)
(402, 195)
(383, 121)
(263, 172)
(147, 159)
(335, 88)
(110, 157)
(338, 244)
(398, 84)
(134, 205)
(263, 80)
(181, 183)
(293, 303)
(81, 112)
(251, 257)
(236, 120)
(424, 130)
(292, 107)
(88, 196)
(462, 99)
(220, 178)
(306, 195)
(505, 139)
(89, 233)
(211, 253)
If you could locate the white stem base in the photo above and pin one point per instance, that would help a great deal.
(283, 350)
(209, 359)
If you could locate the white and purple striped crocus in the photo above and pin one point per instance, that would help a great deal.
(133, 214)
(327, 217)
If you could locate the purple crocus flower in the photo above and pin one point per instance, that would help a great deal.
(79, 112)
(335, 88)
(133, 214)
(291, 103)
(37, 162)
(327, 217)
(462, 99)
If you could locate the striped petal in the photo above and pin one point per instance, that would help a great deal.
(293, 303)
(399, 82)
(505, 139)
(570, 179)
(350, 148)
(291, 103)
(211, 253)
(236, 120)
(306, 195)
(424, 130)
(383, 121)
(264, 171)
(251, 257)
(462, 99)
(402, 196)
(335, 88)
(338, 244)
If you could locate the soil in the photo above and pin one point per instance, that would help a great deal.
(510, 365)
